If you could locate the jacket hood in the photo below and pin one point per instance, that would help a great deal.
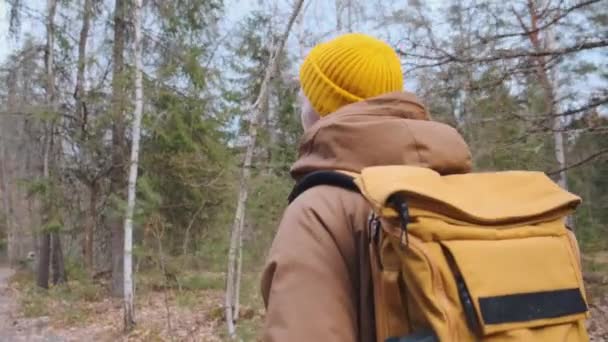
(391, 129)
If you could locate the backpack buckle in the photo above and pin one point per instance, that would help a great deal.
(374, 227)
(399, 203)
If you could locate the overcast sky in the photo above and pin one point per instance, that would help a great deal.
(4, 46)
(317, 22)
(236, 10)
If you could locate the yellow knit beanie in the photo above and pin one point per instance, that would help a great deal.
(348, 69)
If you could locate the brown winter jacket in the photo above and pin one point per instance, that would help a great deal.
(317, 283)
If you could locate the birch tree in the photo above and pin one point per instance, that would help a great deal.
(235, 250)
(129, 316)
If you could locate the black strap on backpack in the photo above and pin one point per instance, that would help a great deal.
(331, 178)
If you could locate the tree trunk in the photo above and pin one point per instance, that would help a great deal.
(349, 15)
(117, 176)
(44, 254)
(89, 228)
(239, 274)
(271, 130)
(49, 53)
(128, 268)
(231, 291)
(6, 126)
(237, 227)
(57, 262)
(6, 205)
(79, 92)
(42, 279)
(558, 138)
(81, 115)
(339, 8)
(547, 80)
(187, 234)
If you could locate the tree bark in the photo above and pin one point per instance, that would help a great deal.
(79, 92)
(81, 115)
(49, 53)
(239, 274)
(339, 8)
(129, 315)
(117, 175)
(237, 227)
(186, 242)
(89, 228)
(547, 78)
(6, 125)
(57, 262)
(6, 205)
(349, 15)
(42, 279)
(44, 254)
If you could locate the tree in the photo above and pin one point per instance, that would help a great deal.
(519, 47)
(44, 255)
(129, 319)
(231, 302)
(21, 137)
(587, 169)
(117, 173)
(82, 116)
(547, 79)
(6, 202)
(187, 163)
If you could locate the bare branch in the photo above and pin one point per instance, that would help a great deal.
(234, 252)
(15, 17)
(505, 54)
(564, 13)
(580, 163)
(595, 102)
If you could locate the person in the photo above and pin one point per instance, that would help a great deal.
(317, 283)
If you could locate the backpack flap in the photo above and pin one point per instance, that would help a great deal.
(483, 198)
(520, 283)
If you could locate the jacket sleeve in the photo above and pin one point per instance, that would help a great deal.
(306, 285)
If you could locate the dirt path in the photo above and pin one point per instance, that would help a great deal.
(15, 328)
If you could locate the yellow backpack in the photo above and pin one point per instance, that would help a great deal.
(474, 257)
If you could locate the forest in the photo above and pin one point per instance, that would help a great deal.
(159, 135)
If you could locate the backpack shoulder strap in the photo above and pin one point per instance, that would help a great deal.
(332, 178)
(385, 282)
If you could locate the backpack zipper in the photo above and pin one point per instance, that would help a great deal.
(399, 203)
(438, 287)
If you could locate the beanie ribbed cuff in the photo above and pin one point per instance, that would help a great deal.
(349, 69)
(319, 86)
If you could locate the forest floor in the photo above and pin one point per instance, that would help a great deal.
(83, 312)
(79, 312)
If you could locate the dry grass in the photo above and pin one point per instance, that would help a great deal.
(83, 311)
(190, 308)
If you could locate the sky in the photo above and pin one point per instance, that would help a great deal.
(4, 47)
(317, 23)
(8, 44)
(236, 10)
